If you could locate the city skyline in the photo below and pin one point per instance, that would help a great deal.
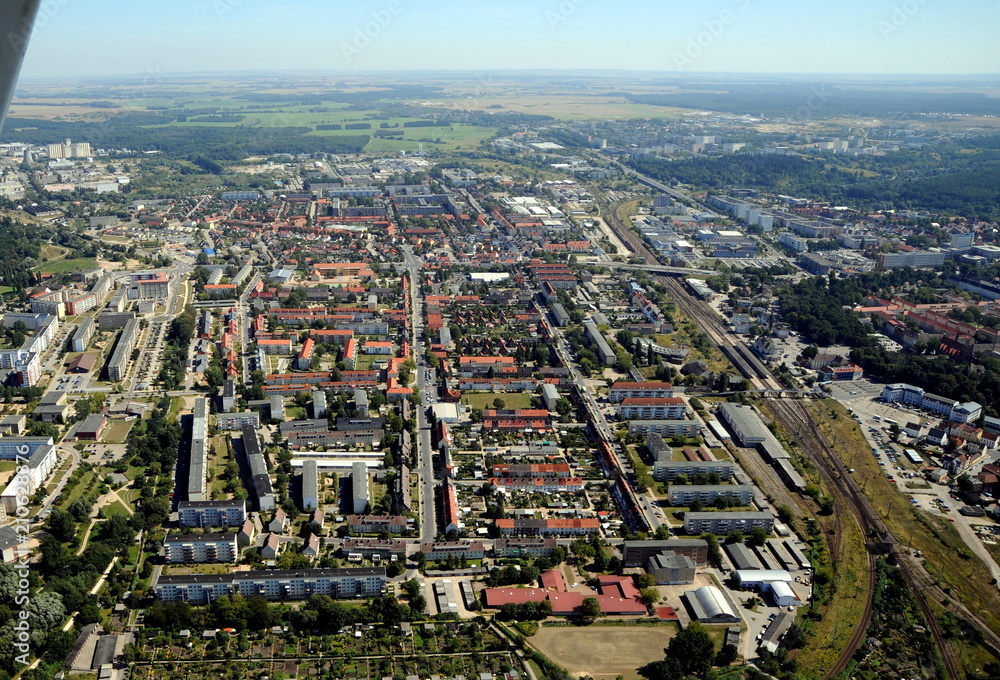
(727, 36)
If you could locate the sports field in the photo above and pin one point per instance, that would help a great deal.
(603, 651)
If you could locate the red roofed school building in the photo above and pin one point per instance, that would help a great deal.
(617, 596)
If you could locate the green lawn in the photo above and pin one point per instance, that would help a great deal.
(67, 266)
(117, 431)
(6, 289)
(484, 400)
(116, 508)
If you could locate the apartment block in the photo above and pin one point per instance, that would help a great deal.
(230, 513)
(186, 549)
(726, 522)
(275, 585)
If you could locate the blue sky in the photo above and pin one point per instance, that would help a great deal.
(110, 37)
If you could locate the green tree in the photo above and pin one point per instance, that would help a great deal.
(726, 656)
(61, 525)
(758, 536)
(693, 649)
(590, 608)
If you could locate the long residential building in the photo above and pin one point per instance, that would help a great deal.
(376, 524)
(685, 494)
(231, 513)
(360, 489)
(198, 466)
(84, 333)
(536, 471)
(669, 470)
(12, 448)
(956, 412)
(183, 549)
(310, 486)
(34, 469)
(669, 408)
(373, 548)
(697, 523)
(273, 585)
(604, 351)
(524, 547)
(236, 421)
(462, 550)
(640, 390)
(548, 527)
(120, 360)
(536, 484)
(665, 428)
(257, 466)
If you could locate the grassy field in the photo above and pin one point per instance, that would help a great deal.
(67, 266)
(946, 556)
(832, 633)
(51, 253)
(484, 400)
(116, 508)
(603, 651)
(448, 138)
(117, 431)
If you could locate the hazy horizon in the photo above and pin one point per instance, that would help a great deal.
(909, 38)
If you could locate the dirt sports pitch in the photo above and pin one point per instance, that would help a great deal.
(603, 650)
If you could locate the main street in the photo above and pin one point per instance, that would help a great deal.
(425, 452)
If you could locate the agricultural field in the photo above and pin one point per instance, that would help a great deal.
(566, 107)
(603, 651)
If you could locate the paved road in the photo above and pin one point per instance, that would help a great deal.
(425, 453)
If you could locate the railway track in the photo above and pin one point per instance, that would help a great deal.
(797, 419)
(793, 417)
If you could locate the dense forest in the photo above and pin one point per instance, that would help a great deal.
(955, 178)
(20, 248)
(220, 143)
(810, 99)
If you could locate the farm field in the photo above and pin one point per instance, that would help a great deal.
(562, 107)
(603, 651)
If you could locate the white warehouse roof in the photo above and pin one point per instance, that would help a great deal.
(714, 602)
(758, 576)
